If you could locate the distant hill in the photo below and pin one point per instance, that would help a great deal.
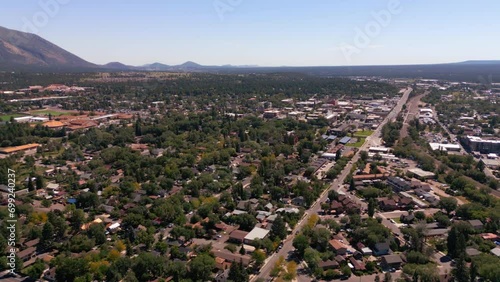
(21, 49)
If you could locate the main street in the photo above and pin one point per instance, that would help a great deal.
(337, 184)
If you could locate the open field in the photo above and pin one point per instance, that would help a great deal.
(364, 133)
(7, 117)
(51, 112)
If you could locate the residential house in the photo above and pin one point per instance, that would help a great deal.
(338, 247)
(476, 224)
(329, 264)
(381, 249)
(391, 261)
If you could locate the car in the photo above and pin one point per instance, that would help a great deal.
(392, 220)
(170, 225)
(190, 213)
(219, 236)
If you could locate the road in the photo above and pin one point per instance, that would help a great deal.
(316, 206)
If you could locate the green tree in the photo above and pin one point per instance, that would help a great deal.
(300, 243)
(201, 268)
(371, 207)
(259, 257)
(279, 228)
(68, 269)
(449, 204)
(242, 250)
(47, 235)
(238, 273)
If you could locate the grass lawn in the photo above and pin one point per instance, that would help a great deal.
(358, 143)
(47, 112)
(364, 133)
(7, 117)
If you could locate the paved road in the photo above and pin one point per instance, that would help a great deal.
(316, 206)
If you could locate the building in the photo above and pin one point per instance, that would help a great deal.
(338, 247)
(391, 261)
(421, 174)
(398, 184)
(485, 146)
(381, 249)
(445, 147)
(15, 149)
(256, 233)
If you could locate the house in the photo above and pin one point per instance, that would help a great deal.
(256, 233)
(407, 218)
(495, 251)
(391, 261)
(27, 253)
(299, 201)
(381, 249)
(387, 204)
(476, 224)
(329, 264)
(338, 247)
(357, 265)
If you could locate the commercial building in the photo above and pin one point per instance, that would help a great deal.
(256, 233)
(485, 146)
(398, 184)
(15, 149)
(444, 147)
(421, 174)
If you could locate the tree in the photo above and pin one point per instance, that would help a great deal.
(259, 257)
(238, 272)
(300, 243)
(461, 271)
(449, 204)
(98, 233)
(201, 267)
(346, 271)
(387, 277)
(40, 183)
(291, 271)
(47, 235)
(242, 250)
(371, 207)
(31, 187)
(279, 228)
(456, 242)
(68, 269)
(77, 219)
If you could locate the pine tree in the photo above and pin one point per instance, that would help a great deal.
(242, 250)
(371, 207)
(31, 187)
(238, 273)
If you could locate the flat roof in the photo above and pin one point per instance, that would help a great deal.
(421, 172)
(257, 233)
(13, 149)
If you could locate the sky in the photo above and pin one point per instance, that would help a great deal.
(264, 32)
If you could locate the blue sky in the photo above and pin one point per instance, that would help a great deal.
(264, 32)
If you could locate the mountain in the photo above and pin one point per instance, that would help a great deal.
(155, 67)
(117, 66)
(29, 52)
(20, 50)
